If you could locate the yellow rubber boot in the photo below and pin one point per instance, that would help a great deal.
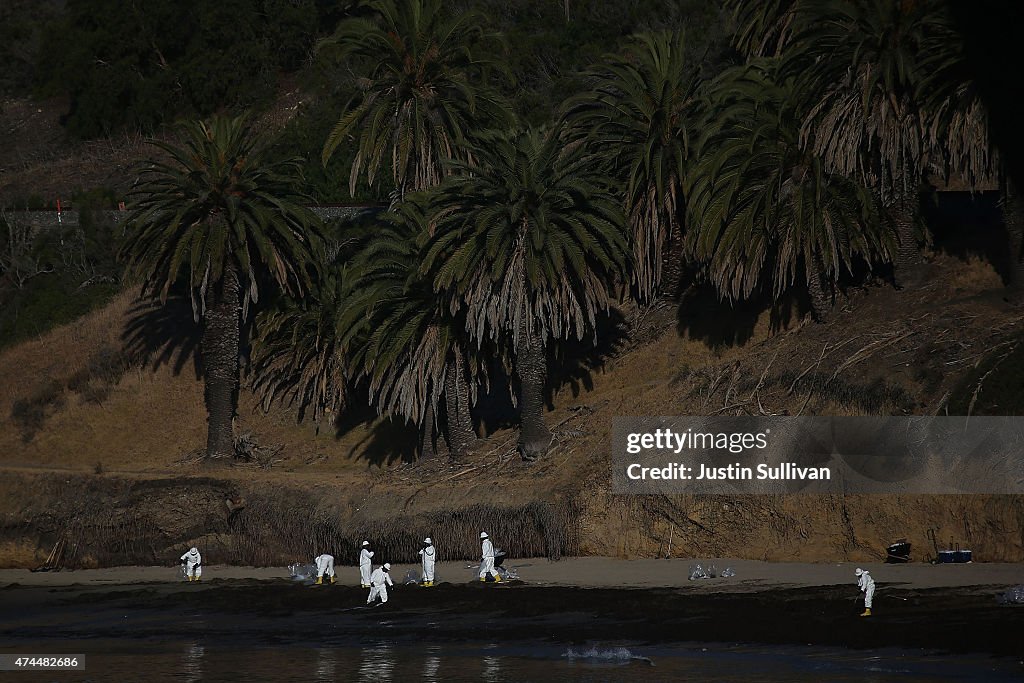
(866, 612)
(332, 580)
(497, 578)
(319, 580)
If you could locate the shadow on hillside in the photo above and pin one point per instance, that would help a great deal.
(494, 408)
(703, 316)
(965, 224)
(571, 363)
(158, 334)
(385, 441)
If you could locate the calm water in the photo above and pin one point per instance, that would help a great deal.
(384, 662)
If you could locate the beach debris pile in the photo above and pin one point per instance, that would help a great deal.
(302, 572)
(699, 572)
(508, 573)
(1013, 596)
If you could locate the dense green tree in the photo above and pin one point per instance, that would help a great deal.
(210, 214)
(139, 64)
(530, 244)
(423, 94)
(638, 115)
(859, 63)
(373, 318)
(763, 28)
(22, 23)
(417, 357)
(422, 91)
(302, 351)
(764, 206)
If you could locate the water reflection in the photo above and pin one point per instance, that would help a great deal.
(192, 663)
(378, 663)
(326, 664)
(431, 664)
(492, 668)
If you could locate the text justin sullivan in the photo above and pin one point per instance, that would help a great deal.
(784, 471)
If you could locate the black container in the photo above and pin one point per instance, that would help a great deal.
(947, 556)
(898, 552)
(962, 556)
(499, 557)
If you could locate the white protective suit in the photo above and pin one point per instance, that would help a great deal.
(193, 564)
(487, 561)
(324, 565)
(379, 582)
(428, 555)
(867, 586)
(365, 565)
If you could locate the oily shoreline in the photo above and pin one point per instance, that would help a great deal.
(961, 620)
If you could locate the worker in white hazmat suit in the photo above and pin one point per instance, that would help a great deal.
(365, 564)
(427, 555)
(487, 560)
(193, 562)
(379, 582)
(324, 565)
(867, 586)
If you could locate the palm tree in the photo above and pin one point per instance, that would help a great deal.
(217, 216)
(638, 114)
(763, 27)
(372, 318)
(417, 350)
(759, 201)
(860, 64)
(421, 96)
(301, 354)
(530, 244)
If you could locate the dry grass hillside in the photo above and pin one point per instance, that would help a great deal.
(99, 448)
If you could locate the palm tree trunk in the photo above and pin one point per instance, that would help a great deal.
(1013, 218)
(672, 262)
(908, 254)
(456, 393)
(821, 302)
(427, 451)
(531, 371)
(221, 330)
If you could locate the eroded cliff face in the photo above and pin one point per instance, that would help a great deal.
(109, 521)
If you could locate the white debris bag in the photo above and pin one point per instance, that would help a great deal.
(302, 572)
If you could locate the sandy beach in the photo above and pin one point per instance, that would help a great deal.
(582, 600)
(590, 572)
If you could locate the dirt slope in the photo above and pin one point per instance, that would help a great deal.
(99, 447)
